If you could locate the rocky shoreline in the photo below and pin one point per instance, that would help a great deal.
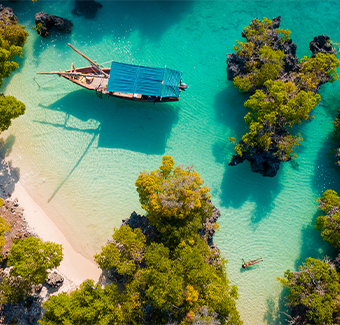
(30, 310)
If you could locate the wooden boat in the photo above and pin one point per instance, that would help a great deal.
(126, 81)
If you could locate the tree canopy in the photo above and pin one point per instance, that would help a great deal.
(30, 259)
(284, 90)
(315, 289)
(175, 199)
(329, 223)
(176, 278)
(90, 304)
(10, 108)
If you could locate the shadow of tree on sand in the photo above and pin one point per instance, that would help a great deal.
(9, 175)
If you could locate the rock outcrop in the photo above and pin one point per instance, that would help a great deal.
(45, 23)
(142, 222)
(7, 12)
(54, 280)
(320, 44)
(261, 161)
(267, 162)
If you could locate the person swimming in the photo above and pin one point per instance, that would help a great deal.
(252, 262)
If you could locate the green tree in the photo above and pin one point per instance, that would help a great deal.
(4, 226)
(30, 259)
(10, 108)
(89, 305)
(125, 252)
(174, 278)
(319, 68)
(12, 33)
(284, 91)
(329, 224)
(12, 39)
(175, 200)
(316, 289)
(279, 106)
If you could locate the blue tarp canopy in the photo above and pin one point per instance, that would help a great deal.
(134, 79)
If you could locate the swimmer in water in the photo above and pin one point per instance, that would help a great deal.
(252, 262)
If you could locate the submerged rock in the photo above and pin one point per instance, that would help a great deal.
(88, 9)
(45, 23)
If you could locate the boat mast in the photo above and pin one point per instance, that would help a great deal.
(88, 59)
(73, 74)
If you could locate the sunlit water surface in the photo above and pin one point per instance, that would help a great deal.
(79, 155)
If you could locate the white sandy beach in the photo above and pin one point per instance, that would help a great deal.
(74, 265)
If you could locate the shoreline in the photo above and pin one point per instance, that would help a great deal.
(74, 265)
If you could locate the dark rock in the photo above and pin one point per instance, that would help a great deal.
(263, 162)
(142, 222)
(46, 23)
(276, 22)
(208, 230)
(321, 44)
(88, 9)
(6, 12)
(292, 63)
(236, 66)
(54, 280)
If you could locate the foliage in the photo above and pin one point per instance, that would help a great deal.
(14, 289)
(267, 67)
(329, 224)
(10, 108)
(31, 258)
(12, 40)
(88, 305)
(175, 200)
(183, 280)
(315, 288)
(125, 251)
(279, 106)
(318, 68)
(176, 279)
(282, 96)
(3, 228)
(12, 34)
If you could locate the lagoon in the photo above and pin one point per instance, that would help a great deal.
(79, 156)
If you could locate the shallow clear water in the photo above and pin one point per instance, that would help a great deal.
(79, 155)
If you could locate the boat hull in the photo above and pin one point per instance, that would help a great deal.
(86, 77)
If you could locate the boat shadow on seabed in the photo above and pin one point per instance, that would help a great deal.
(113, 123)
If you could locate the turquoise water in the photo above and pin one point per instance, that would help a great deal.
(79, 155)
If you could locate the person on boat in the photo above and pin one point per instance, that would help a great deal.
(252, 262)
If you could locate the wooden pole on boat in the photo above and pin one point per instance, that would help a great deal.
(88, 59)
(75, 74)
